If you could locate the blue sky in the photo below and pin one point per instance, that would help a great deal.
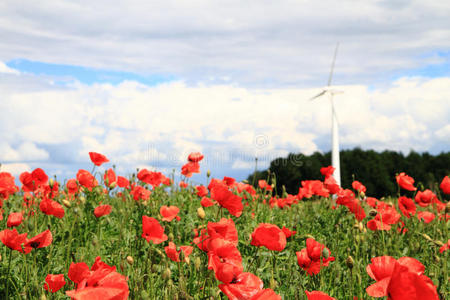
(145, 84)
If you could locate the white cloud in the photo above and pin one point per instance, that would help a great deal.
(5, 69)
(15, 168)
(263, 43)
(134, 125)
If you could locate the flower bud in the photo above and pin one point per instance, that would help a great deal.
(166, 274)
(350, 262)
(272, 283)
(201, 213)
(171, 237)
(197, 263)
(82, 199)
(373, 212)
(66, 203)
(208, 173)
(427, 237)
(447, 208)
(130, 260)
(325, 253)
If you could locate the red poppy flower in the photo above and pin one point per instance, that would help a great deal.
(140, 193)
(152, 230)
(331, 185)
(97, 158)
(425, 198)
(227, 199)
(54, 282)
(123, 182)
(244, 286)
(409, 285)
(426, 216)
(50, 207)
(386, 216)
(225, 259)
(407, 206)
(190, 168)
(102, 210)
(405, 182)
(287, 232)
(174, 254)
(445, 185)
(266, 294)
(14, 219)
(264, 185)
(7, 185)
(201, 191)
(382, 268)
(101, 282)
(327, 171)
(318, 295)
(445, 247)
(110, 178)
(201, 239)
(13, 240)
(269, 236)
(358, 186)
(72, 186)
(195, 157)
(86, 179)
(183, 185)
(206, 202)
(41, 240)
(229, 181)
(224, 229)
(78, 272)
(169, 213)
(313, 257)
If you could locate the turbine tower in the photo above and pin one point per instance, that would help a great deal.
(335, 162)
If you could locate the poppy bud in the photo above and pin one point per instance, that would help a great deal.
(145, 203)
(0, 257)
(309, 236)
(130, 260)
(201, 213)
(437, 259)
(427, 237)
(361, 226)
(356, 225)
(171, 237)
(95, 241)
(155, 268)
(350, 262)
(362, 194)
(144, 294)
(439, 243)
(447, 208)
(113, 185)
(51, 182)
(325, 253)
(66, 203)
(197, 263)
(208, 173)
(160, 253)
(373, 212)
(166, 274)
(272, 283)
(82, 199)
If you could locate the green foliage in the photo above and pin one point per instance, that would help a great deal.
(376, 170)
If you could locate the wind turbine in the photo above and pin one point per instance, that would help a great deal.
(335, 162)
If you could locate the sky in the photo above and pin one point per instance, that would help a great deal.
(148, 82)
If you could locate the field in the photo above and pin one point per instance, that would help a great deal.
(136, 225)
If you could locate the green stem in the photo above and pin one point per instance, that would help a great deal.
(7, 273)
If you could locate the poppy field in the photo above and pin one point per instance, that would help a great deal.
(102, 235)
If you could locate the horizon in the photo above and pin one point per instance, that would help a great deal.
(147, 84)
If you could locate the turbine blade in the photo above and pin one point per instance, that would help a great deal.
(318, 95)
(332, 65)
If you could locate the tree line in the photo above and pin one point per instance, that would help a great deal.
(376, 170)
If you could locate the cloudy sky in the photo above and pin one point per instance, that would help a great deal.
(147, 82)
